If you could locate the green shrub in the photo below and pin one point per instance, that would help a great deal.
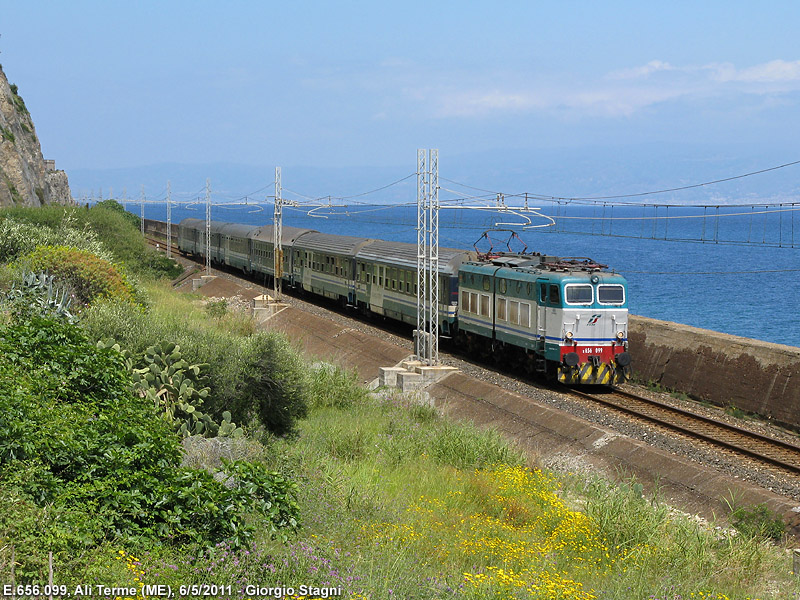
(87, 275)
(259, 379)
(78, 447)
(755, 521)
(217, 308)
(115, 230)
(20, 237)
(271, 384)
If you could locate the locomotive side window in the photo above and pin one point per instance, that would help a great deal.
(473, 302)
(465, 301)
(555, 295)
(611, 294)
(524, 314)
(513, 312)
(484, 310)
(501, 308)
(486, 283)
(542, 293)
(502, 286)
(579, 294)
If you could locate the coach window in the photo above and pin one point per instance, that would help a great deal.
(611, 294)
(579, 294)
(555, 295)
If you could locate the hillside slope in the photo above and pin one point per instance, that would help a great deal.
(25, 178)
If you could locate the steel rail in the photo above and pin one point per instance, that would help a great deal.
(744, 435)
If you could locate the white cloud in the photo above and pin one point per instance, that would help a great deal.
(653, 66)
(774, 71)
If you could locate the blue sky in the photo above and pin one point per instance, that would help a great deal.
(351, 84)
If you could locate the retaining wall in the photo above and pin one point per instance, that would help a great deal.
(159, 229)
(726, 370)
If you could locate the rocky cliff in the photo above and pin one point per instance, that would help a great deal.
(26, 179)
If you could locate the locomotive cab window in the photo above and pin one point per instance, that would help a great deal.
(555, 295)
(611, 294)
(579, 294)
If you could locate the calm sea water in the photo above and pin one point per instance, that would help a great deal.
(747, 290)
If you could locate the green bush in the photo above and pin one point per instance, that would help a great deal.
(115, 230)
(757, 521)
(19, 237)
(271, 385)
(87, 275)
(260, 379)
(76, 445)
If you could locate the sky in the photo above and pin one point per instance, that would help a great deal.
(116, 85)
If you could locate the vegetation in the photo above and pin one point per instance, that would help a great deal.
(87, 275)
(107, 221)
(19, 103)
(295, 474)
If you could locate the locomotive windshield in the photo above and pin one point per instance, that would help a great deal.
(611, 294)
(579, 294)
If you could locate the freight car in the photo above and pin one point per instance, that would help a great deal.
(564, 318)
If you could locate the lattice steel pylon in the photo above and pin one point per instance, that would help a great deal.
(422, 253)
(277, 239)
(427, 344)
(433, 256)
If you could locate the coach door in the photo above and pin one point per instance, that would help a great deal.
(376, 289)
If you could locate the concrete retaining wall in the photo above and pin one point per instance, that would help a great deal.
(723, 369)
(159, 229)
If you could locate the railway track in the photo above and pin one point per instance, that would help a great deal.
(762, 448)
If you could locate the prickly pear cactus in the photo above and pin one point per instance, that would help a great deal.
(178, 389)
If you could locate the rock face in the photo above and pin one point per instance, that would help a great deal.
(26, 179)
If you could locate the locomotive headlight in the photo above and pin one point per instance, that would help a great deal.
(568, 336)
(620, 335)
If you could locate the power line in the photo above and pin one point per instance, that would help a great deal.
(636, 195)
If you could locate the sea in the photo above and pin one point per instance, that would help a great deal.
(733, 269)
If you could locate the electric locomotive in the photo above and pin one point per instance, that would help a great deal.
(565, 318)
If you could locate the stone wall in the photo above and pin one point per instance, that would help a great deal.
(726, 370)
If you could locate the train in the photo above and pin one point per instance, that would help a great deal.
(563, 318)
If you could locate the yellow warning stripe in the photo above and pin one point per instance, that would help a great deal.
(603, 374)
